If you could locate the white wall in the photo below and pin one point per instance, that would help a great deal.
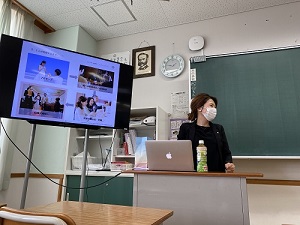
(6, 151)
(256, 30)
(50, 149)
(40, 191)
(260, 29)
(86, 44)
(38, 35)
(65, 38)
(48, 156)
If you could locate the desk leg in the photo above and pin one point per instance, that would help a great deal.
(135, 191)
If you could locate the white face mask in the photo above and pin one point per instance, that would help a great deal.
(210, 113)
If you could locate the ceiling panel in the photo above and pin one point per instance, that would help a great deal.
(90, 3)
(147, 14)
(104, 11)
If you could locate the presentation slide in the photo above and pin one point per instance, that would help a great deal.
(63, 86)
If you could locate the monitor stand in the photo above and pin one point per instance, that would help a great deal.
(28, 164)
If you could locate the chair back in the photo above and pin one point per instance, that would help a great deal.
(9, 216)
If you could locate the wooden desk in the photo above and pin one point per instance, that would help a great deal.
(84, 213)
(195, 198)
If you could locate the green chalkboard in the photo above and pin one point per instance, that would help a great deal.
(259, 99)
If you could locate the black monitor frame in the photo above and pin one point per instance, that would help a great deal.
(11, 59)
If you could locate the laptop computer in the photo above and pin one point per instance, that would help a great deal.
(170, 155)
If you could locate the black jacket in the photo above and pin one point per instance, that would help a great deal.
(187, 132)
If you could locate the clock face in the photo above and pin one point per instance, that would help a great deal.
(172, 66)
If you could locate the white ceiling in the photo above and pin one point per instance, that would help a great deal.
(104, 19)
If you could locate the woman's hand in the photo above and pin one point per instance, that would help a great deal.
(229, 167)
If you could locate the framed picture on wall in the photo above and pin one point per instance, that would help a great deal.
(143, 60)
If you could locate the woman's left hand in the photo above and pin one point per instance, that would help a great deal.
(229, 167)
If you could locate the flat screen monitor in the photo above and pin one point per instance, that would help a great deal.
(53, 86)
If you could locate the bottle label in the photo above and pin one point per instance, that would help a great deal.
(202, 159)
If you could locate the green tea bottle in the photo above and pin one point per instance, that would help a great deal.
(201, 157)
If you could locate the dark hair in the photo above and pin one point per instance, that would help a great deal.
(89, 99)
(80, 100)
(197, 102)
(57, 71)
(43, 62)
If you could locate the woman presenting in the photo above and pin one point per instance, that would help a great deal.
(203, 111)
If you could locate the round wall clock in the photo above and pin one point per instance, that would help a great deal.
(172, 66)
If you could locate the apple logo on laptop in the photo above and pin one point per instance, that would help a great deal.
(169, 155)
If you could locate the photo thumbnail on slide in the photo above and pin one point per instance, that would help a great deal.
(95, 79)
(46, 69)
(91, 109)
(41, 101)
